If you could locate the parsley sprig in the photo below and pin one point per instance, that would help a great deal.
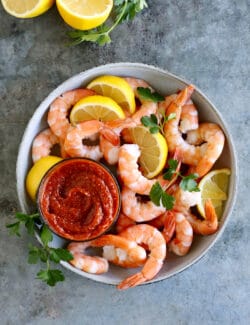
(187, 183)
(161, 198)
(123, 10)
(45, 253)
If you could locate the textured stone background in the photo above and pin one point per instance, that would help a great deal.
(208, 43)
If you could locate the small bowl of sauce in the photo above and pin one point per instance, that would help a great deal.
(79, 199)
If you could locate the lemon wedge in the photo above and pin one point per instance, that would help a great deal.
(153, 148)
(84, 14)
(27, 8)
(96, 108)
(116, 88)
(37, 172)
(214, 186)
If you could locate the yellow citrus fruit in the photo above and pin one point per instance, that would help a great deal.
(214, 186)
(96, 108)
(116, 88)
(37, 172)
(84, 14)
(27, 8)
(153, 148)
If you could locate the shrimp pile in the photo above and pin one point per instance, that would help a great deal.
(144, 233)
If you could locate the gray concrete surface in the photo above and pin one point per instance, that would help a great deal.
(208, 43)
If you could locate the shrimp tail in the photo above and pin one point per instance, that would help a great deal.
(132, 281)
(211, 216)
(169, 226)
(111, 136)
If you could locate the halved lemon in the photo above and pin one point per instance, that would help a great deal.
(84, 14)
(214, 186)
(153, 148)
(96, 108)
(37, 172)
(27, 8)
(116, 88)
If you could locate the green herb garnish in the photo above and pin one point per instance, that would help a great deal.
(44, 253)
(187, 183)
(123, 10)
(147, 94)
(155, 124)
(160, 198)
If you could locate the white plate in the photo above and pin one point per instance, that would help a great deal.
(165, 83)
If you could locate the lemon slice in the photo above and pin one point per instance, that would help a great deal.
(84, 14)
(37, 172)
(96, 108)
(27, 8)
(153, 148)
(214, 186)
(116, 88)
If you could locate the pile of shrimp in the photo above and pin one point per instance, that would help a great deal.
(143, 231)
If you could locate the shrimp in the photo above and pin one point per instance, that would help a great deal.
(184, 200)
(206, 226)
(73, 142)
(121, 251)
(202, 147)
(136, 83)
(211, 150)
(43, 143)
(111, 151)
(59, 109)
(129, 172)
(136, 210)
(150, 236)
(86, 263)
(123, 222)
(183, 239)
(188, 115)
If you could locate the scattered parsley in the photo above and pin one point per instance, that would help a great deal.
(147, 94)
(187, 183)
(123, 10)
(44, 253)
(160, 198)
(155, 124)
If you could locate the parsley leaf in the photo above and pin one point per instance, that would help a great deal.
(123, 10)
(188, 183)
(51, 277)
(160, 198)
(46, 235)
(147, 94)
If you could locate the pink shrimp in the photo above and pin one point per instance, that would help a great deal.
(86, 263)
(109, 149)
(202, 147)
(73, 142)
(207, 226)
(136, 83)
(59, 109)
(183, 239)
(136, 210)
(121, 251)
(150, 236)
(43, 143)
(129, 171)
(123, 222)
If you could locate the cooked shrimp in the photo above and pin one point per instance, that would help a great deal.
(202, 147)
(59, 109)
(136, 83)
(128, 170)
(150, 236)
(43, 143)
(109, 149)
(169, 225)
(123, 222)
(183, 239)
(184, 200)
(146, 109)
(188, 115)
(121, 251)
(206, 226)
(86, 263)
(136, 210)
(212, 140)
(76, 134)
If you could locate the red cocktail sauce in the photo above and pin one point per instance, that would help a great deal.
(79, 199)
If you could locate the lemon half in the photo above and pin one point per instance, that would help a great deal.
(27, 8)
(153, 148)
(214, 186)
(84, 14)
